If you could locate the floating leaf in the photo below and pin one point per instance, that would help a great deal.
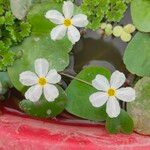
(78, 94)
(43, 108)
(140, 108)
(108, 29)
(137, 55)
(36, 17)
(129, 28)
(117, 31)
(126, 37)
(140, 11)
(35, 47)
(123, 123)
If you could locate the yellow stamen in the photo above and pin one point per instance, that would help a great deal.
(111, 92)
(42, 81)
(67, 22)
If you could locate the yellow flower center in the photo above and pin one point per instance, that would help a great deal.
(42, 81)
(111, 92)
(67, 22)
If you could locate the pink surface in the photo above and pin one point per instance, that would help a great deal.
(22, 133)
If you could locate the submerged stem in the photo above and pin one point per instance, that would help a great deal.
(72, 77)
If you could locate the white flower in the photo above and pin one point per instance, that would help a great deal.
(66, 23)
(41, 82)
(110, 93)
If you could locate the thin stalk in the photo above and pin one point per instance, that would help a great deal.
(72, 77)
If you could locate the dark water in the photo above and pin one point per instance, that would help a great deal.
(92, 50)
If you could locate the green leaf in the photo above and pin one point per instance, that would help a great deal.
(123, 123)
(140, 108)
(35, 47)
(36, 17)
(117, 31)
(137, 55)
(5, 82)
(20, 8)
(43, 108)
(126, 37)
(78, 94)
(12, 32)
(103, 10)
(140, 11)
(129, 28)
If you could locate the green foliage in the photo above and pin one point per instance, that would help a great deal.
(55, 52)
(103, 10)
(78, 94)
(137, 55)
(61, 1)
(5, 83)
(36, 17)
(140, 11)
(12, 31)
(140, 108)
(123, 123)
(43, 108)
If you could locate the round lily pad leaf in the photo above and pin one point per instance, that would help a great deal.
(36, 17)
(39, 47)
(43, 108)
(140, 108)
(140, 11)
(137, 55)
(78, 94)
(123, 123)
(117, 31)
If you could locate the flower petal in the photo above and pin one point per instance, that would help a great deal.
(117, 79)
(73, 34)
(80, 20)
(28, 78)
(53, 77)
(126, 94)
(68, 9)
(50, 92)
(54, 16)
(58, 32)
(34, 93)
(41, 67)
(101, 83)
(112, 107)
(98, 99)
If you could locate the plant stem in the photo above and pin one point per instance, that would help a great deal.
(72, 77)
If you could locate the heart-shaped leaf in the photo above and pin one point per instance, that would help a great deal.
(140, 11)
(123, 123)
(43, 108)
(140, 108)
(78, 94)
(137, 55)
(39, 47)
